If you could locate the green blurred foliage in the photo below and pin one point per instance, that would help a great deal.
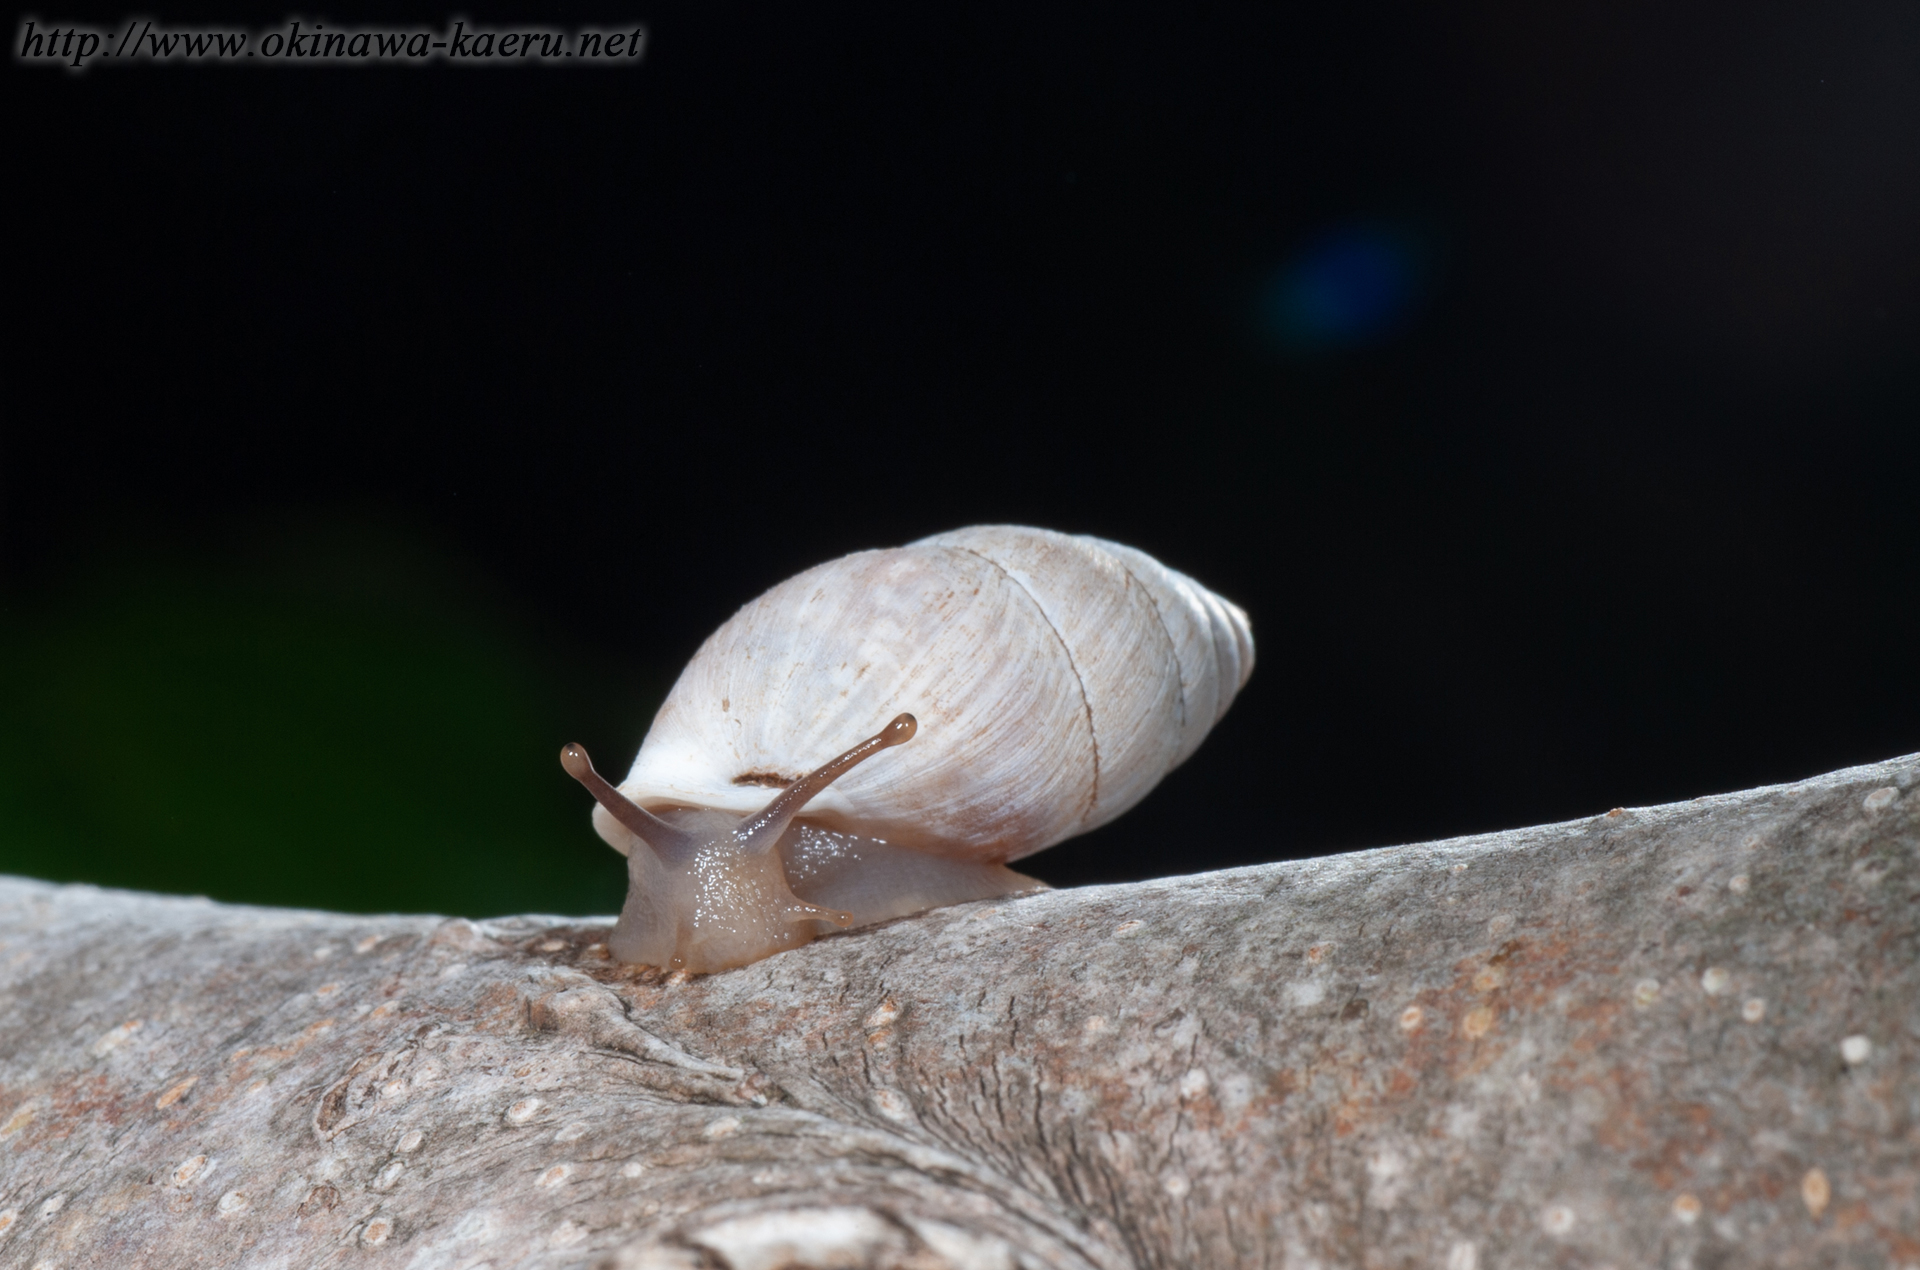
(335, 716)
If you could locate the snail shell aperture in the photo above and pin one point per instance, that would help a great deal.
(1046, 683)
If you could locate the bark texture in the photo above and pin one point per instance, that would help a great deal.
(1681, 1036)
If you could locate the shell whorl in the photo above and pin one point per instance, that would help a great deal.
(1056, 678)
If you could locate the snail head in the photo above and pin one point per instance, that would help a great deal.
(708, 869)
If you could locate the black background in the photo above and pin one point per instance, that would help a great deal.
(572, 363)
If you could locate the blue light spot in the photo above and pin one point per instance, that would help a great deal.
(1354, 286)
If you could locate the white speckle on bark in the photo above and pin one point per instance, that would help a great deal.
(1753, 1010)
(189, 1169)
(1738, 884)
(1645, 993)
(523, 1111)
(894, 1105)
(1386, 1168)
(802, 1237)
(1856, 1050)
(1687, 1209)
(1880, 798)
(1464, 1255)
(1463, 1121)
(175, 1093)
(114, 1038)
(1715, 981)
(1557, 1220)
(1815, 1192)
(1411, 1018)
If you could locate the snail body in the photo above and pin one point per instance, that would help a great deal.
(1047, 682)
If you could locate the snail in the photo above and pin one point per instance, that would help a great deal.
(1016, 687)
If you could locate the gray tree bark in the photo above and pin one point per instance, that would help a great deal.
(1681, 1036)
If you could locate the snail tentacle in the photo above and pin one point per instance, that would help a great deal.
(757, 834)
(670, 844)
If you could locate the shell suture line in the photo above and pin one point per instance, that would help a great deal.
(1173, 645)
(1086, 703)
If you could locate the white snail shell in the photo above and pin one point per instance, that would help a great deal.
(1055, 679)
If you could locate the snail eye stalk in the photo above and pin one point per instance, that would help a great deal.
(759, 832)
(667, 842)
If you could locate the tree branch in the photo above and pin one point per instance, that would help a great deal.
(1684, 1032)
